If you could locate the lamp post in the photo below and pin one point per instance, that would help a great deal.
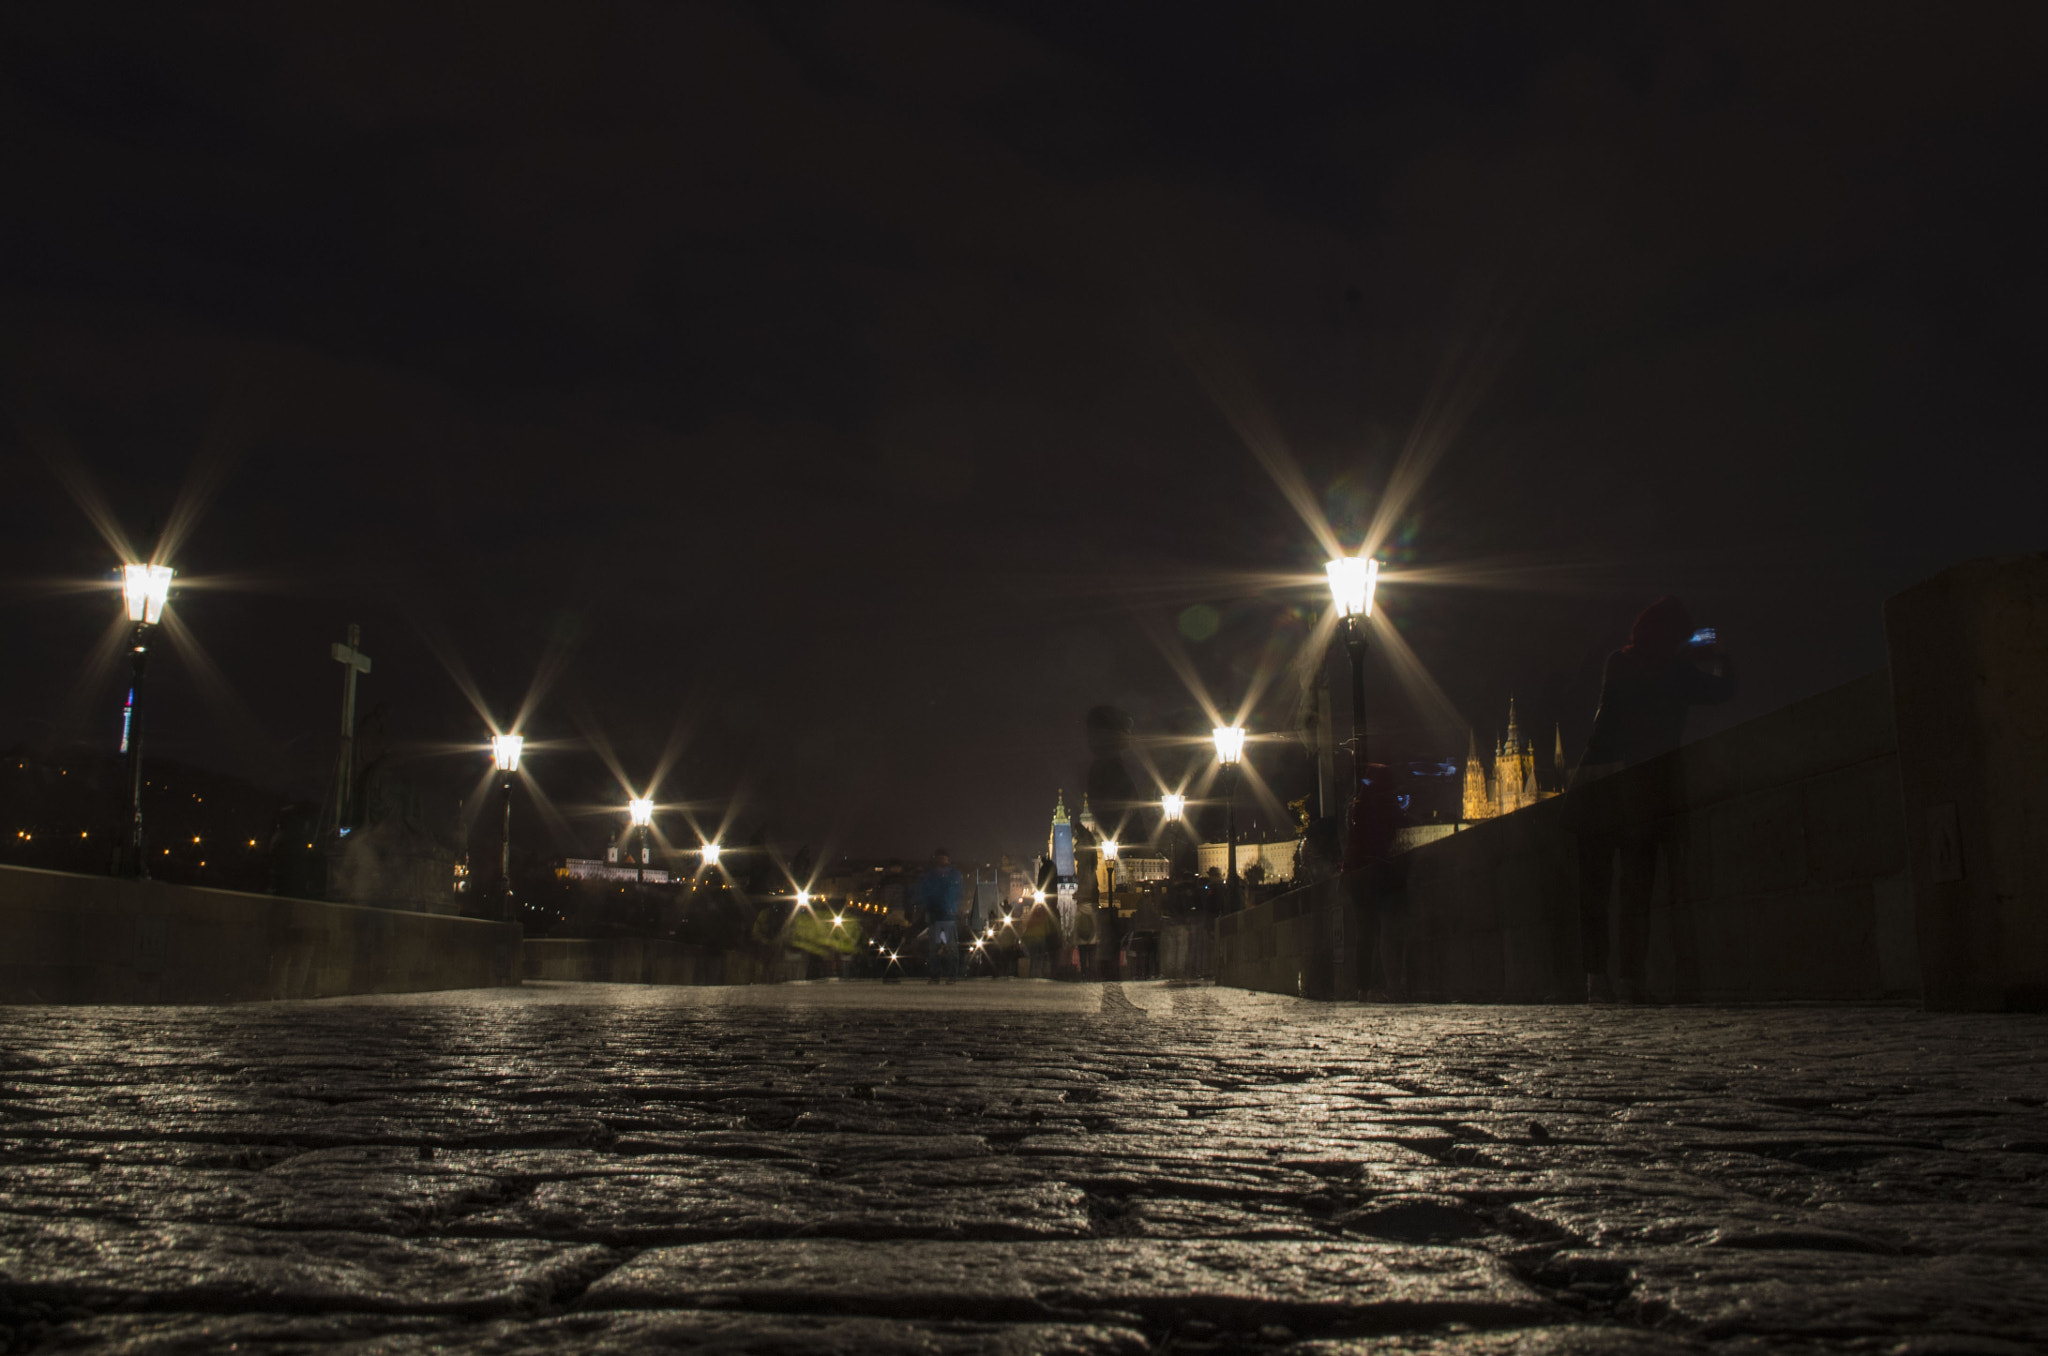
(1229, 753)
(642, 811)
(1106, 929)
(505, 753)
(145, 588)
(1353, 581)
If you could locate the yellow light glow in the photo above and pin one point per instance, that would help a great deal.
(710, 851)
(1109, 848)
(803, 899)
(505, 751)
(1174, 803)
(1229, 744)
(1353, 581)
(642, 811)
(146, 587)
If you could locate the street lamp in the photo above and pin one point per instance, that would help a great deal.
(1353, 581)
(1108, 933)
(642, 810)
(145, 588)
(710, 851)
(1229, 753)
(505, 753)
(1174, 804)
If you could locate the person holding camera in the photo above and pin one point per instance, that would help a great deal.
(1646, 691)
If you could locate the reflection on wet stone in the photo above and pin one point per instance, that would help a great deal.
(1017, 1167)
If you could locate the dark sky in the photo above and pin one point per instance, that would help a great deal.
(852, 382)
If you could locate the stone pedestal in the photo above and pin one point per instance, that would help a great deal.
(1969, 663)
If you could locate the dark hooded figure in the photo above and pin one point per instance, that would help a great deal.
(1648, 687)
(1113, 797)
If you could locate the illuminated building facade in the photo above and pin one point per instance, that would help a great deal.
(1514, 782)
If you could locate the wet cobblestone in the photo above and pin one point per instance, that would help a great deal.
(1010, 1166)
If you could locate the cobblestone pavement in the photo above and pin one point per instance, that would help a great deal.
(1017, 1166)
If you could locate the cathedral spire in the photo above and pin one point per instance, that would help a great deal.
(1478, 805)
(1059, 811)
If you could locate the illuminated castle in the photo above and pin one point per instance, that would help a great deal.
(1513, 783)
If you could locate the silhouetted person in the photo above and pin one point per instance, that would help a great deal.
(1373, 819)
(938, 895)
(1645, 692)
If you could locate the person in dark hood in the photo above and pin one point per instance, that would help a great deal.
(1646, 691)
(1649, 685)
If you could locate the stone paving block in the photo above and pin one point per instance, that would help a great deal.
(117, 1265)
(610, 1334)
(1573, 1340)
(1787, 1292)
(1357, 1284)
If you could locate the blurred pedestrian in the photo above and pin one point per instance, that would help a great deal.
(1646, 691)
(938, 897)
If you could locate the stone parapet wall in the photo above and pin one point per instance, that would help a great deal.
(96, 939)
(631, 960)
(1780, 876)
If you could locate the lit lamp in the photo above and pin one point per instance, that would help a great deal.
(803, 899)
(505, 753)
(710, 851)
(145, 588)
(1174, 804)
(642, 810)
(1353, 581)
(1229, 754)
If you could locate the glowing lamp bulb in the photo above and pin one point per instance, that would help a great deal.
(1109, 848)
(505, 751)
(1174, 804)
(803, 899)
(1353, 580)
(145, 587)
(1038, 896)
(1229, 744)
(642, 811)
(710, 851)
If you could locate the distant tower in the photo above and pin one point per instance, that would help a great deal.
(1063, 863)
(1515, 770)
(1478, 804)
(1557, 759)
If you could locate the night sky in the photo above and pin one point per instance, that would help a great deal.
(857, 394)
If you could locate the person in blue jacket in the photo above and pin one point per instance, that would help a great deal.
(938, 896)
